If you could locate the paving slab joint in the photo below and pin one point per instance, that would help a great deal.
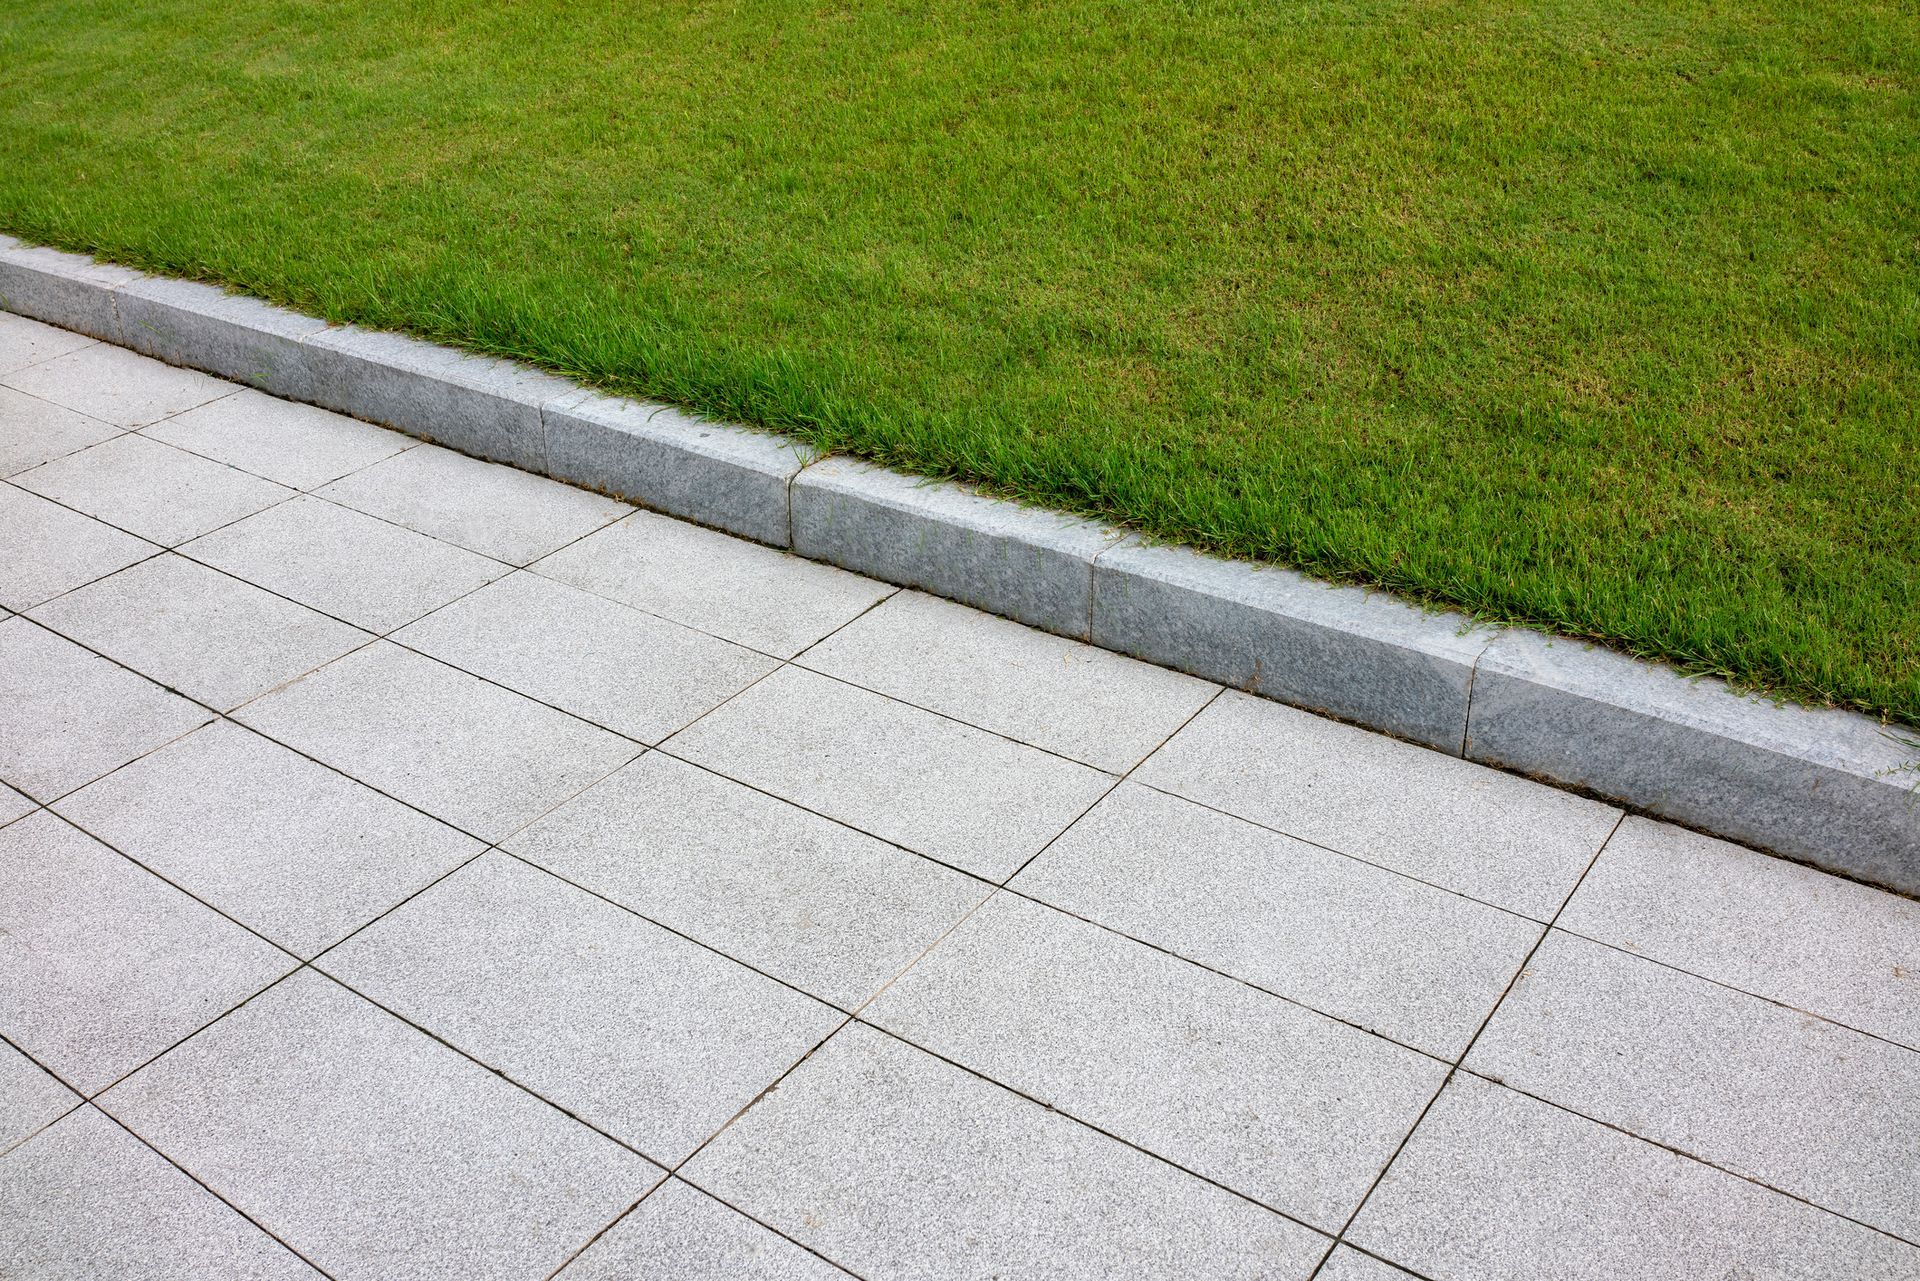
(1831, 788)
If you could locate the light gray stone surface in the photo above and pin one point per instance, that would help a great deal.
(723, 476)
(826, 908)
(1280, 1104)
(1361, 655)
(293, 444)
(1062, 695)
(1507, 841)
(86, 1200)
(981, 803)
(626, 671)
(682, 1233)
(1791, 934)
(1498, 1186)
(153, 490)
(354, 567)
(371, 1148)
(496, 511)
(1797, 1103)
(68, 716)
(893, 1163)
(103, 965)
(184, 322)
(116, 386)
(283, 845)
(1029, 564)
(214, 638)
(475, 755)
(753, 596)
(479, 406)
(34, 431)
(1826, 787)
(1349, 1264)
(31, 1098)
(26, 342)
(68, 290)
(45, 549)
(651, 1038)
(13, 805)
(1392, 955)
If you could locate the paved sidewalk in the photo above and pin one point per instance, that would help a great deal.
(410, 867)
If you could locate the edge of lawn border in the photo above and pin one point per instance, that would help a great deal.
(1831, 788)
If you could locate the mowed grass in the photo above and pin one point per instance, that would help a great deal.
(1602, 315)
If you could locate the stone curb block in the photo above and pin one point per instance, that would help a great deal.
(1822, 786)
(1033, 566)
(726, 477)
(1362, 656)
(1825, 787)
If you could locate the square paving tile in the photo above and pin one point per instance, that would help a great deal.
(892, 1163)
(13, 805)
(68, 716)
(1280, 1104)
(103, 965)
(297, 445)
(150, 489)
(32, 431)
(1766, 926)
(373, 1149)
(653, 1039)
(752, 595)
(46, 549)
(982, 803)
(26, 342)
(1085, 703)
(819, 905)
(86, 1200)
(283, 845)
(1498, 1186)
(116, 385)
(682, 1233)
(210, 636)
(627, 671)
(1800, 1104)
(482, 758)
(1348, 1264)
(31, 1098)
(1504, 840)
(1396, 957)
(365, 571)
(509, 515)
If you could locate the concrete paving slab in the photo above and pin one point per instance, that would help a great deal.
(482, 758)
(86, 1200)
(1067, 697)
(971, 799)
(68, 716)
(116, 385)
(1797, 1103)
(300, 446)
(1498, 1186)
(681, 1232)
(623, 670)
(499, 512)
(354, 567)
(103, 965)
(892, 1163)
(1833, 948)
(373, 1149)
(283, 845)
(160, 493)
(1503, 840)
(813, 903)
(32, 431)
(1346, 938)
(751, 595)
(31, 1098)
(1349, 1264)
(1280, 1104)
(45, 549)
(212, 637)
(13, 805)
(26, 342)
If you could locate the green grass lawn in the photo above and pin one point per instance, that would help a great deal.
(1600, 315)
